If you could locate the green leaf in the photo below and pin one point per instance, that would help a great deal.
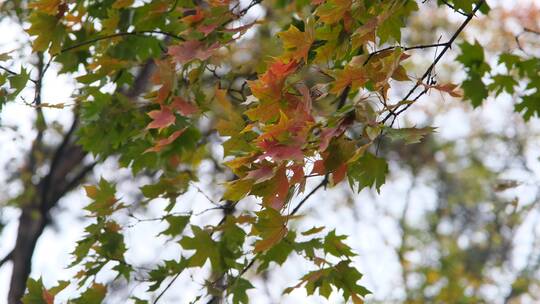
(49, 31)
(169, 268)
(409, 135)
(279, 252)
(474, 89)
(104, 201)
(529, 106)
(93, 295)
(18, 82)
(509, 60)
(313, 230)
(502, 83)
(34, 293)
(176, 225)
(205, 249)
(238, 290)
(368, 171)
(333, 244)
(237, 190)
(472, 57)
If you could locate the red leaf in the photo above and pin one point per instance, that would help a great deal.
(298, 173)
(279, 198)
(279, 152)
(162, 143)
(339, 174)
(161, 118)
(48, 297)
(164, 76)
(261, 174)
(191, 49)
(183, 106)
(318, 167)
(207, 28)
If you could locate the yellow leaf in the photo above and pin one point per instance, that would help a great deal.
(49, 7)
(296, 43)
(353, 75)
(333, 11)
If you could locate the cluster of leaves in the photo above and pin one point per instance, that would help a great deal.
(521, 76)
(316, 110)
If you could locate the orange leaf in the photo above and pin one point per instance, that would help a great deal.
(267, 243)
(48, 297)
(193, 16)
(450, 88)
(350, 75)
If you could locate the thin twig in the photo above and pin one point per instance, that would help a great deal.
(405, 48)
(432, 66)
(167, 287)
(6, 258)
(135, 33)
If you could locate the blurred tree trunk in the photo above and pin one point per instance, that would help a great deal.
(67, 170)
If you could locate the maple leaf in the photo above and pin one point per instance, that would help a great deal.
(193, 16)
(49, 31)
(296, 43)
(190, 50)
(164, 76)
(333, 11)
(368, 171)
(162, 143)
(183, 106)
(206, 29)
(449, 88)
(269, 85)
(353, 75)
(161, 118)
(261, 174)
(49, 7)
(205, 249)
(268, 89)
(279, 197)
(279, 152)
(364, 33)
(271, 227)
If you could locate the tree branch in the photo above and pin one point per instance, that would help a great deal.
(432, 66)
(6, 258)
(134, 33)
